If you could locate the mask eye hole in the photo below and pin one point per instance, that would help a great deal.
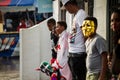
(88, 24)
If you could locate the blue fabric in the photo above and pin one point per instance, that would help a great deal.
(18, 2)
(10, 50)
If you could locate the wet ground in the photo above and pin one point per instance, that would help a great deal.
(9, 68)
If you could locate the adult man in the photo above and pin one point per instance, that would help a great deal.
(51, 23)
(96, 49)
(77, 49)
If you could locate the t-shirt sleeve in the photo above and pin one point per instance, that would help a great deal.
(101, 45)
(81, 18)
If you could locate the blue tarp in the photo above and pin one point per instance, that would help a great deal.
(17, 2)
(8, 43)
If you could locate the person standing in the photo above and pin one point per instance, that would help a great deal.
(96, 49)
(51, 24)
(77, 51)
(22, 24)
(61, 61)
(114, 58)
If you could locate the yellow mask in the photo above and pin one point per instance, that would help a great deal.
(88, 27)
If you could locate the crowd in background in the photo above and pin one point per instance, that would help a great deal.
(12, 19)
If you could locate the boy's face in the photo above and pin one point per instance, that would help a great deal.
(88, 28)
(59, 29)
(50, 26)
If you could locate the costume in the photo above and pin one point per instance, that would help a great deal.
(77, 47)
(88, 27)
(94, 47)
(54, 74)
(61, 61)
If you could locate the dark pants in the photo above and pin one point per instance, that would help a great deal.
(77, 65)
(54, 54)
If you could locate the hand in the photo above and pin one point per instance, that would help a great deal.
(54, 69)
(109, 61)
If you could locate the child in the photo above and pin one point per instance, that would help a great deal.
(61, 61)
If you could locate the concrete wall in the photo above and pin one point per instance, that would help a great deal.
(100, 8)
(56, 10)
(34, 48)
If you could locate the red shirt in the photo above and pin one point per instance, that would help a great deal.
(22, 25)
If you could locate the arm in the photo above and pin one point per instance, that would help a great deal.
(109, 58)
(102, 49)
(104, 66)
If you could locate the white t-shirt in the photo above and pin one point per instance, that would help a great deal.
(78, 44)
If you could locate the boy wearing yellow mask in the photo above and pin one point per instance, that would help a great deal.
(96, 49)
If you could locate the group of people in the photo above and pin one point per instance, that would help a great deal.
(82, 54)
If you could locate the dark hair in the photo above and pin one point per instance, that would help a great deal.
(73, 2)
(116, 35)
(92, 19)
(51, 21)
(116, 11)
(62, 23)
